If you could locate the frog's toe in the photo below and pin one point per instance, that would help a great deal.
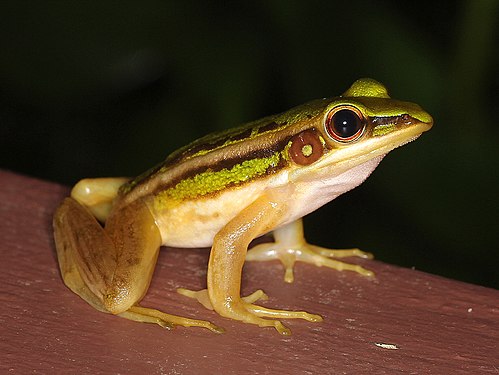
(256, 296)
(340, 253)
(199, 295)
(168, 321)
(282, 314)
(323, 257)
(307, 253)
(272, 251)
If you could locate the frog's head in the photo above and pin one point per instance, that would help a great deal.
(362, 125)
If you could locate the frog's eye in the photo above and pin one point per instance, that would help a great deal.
(306, 147)
(345, 123)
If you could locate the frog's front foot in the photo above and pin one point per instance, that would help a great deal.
(264, 317)
(245, 310)
(204, 299)
(290, 246)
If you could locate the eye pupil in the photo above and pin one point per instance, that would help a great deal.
(346, 123)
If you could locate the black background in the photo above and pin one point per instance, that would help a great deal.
(93, 88)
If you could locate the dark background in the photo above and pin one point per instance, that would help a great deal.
(104, 88)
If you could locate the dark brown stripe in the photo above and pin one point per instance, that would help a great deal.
(242, 135)
(206, 143)
(217, 140)
(393, 120)
(128, 187)
(270, 126)
(230, 163)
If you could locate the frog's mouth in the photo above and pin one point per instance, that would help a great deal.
(340, 160)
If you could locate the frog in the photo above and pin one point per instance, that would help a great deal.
(223, 191)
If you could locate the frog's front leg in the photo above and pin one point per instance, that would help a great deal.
(290, 246)
(111, 267)
(226, 262)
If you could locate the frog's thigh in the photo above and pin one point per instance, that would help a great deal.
(110, 269)
(97, 194)
(66, 257)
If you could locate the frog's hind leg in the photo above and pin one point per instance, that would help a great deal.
(147, 315)
(111, 268)
(290, 246)
(98, 194)
(74, 229)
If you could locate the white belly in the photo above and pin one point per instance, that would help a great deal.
(195, 223)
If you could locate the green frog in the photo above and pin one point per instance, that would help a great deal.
(223, 191)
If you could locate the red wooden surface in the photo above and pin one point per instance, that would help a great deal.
(439, 326)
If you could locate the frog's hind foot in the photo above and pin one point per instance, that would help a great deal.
(290, 246)
(168, 321)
